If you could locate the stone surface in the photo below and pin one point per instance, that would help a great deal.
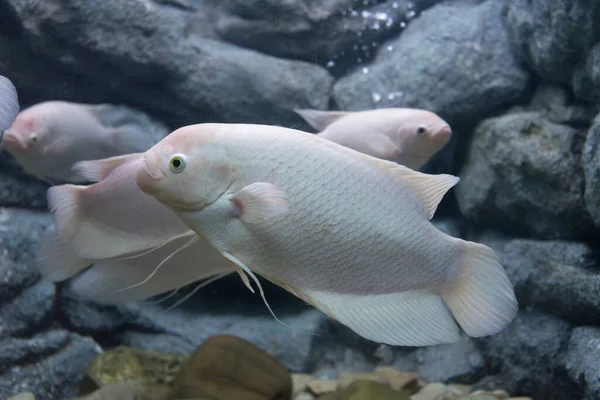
(523, 175)
(553, 36)
(445, 62)
(582, 360)
(586, 78)
(591, 169)
(50, 364)
(329, 33)
(30, 311)
(558, 277)
(529, 352)
(198, 78)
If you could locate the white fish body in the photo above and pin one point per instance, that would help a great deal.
(9, 103)
(346, 232)
(48, 138)
(408, 136)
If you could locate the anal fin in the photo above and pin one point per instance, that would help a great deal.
(411, 318)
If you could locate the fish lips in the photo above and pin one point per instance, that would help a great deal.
(12, 142)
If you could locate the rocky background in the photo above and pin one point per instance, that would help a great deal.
(519, 81)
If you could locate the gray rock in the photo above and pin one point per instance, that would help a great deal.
(161, 63)
(586, 78)
(454, 59)
(559, 106)
(449, 226)
(50, 365)
(19, 190)
(591, 168)
(325, 32)
(20, 232)
(583, 360)
(523, 175)
(460, 362)
(529, 352)
(553, 36)
(557, 277)
(28, 312)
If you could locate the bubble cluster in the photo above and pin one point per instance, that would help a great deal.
(371, 20)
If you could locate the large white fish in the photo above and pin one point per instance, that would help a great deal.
(9, 103)
(408, 136)
(47, 139)
(346, 232)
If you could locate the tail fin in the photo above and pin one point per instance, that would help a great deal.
(481, 297)
(63, 201)
(55, 260)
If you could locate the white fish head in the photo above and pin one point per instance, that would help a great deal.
(187, 170)
(26, 136)
(423, 133)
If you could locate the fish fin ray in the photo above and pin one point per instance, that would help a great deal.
(55, 260)
(63, 202)
(320, 119)
(410, 318)
(481, 296)
(9, 103)
(97, 170)
(260, 201)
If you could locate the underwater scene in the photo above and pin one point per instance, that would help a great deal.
(300, 199)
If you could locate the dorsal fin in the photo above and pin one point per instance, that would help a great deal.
(429, 189)
(318, 119)
(97, 170)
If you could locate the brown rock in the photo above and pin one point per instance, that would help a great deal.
(226, 367)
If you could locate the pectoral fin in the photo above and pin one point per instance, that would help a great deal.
(260, 201)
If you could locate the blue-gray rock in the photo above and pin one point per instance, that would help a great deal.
(20, 232)
(50, 365)
(29, 312)
(523, 175)
(155, 58)
(559, 277)
(454, 59)
(583, 360)
(460, 362)
(586, 78)
(529, 352)
(328, 32)
(553, 36)
(591, 168)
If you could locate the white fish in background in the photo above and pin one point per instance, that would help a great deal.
(48, 138)
(408, 136)
(111, 217)
(346, 232)
(9, 103)
(129, 278)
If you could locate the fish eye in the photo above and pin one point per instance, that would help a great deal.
(177, 163)
(33, 138)
(421, 130)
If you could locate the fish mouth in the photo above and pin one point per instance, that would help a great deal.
(12, 142)
(146, 177)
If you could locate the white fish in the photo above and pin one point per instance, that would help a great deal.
(347, 232)
(9, 103)
(408, 136)
(111, 217)
(47, 139)
(130, 278)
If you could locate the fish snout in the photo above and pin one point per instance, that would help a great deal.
(12, 142)
(442, 135)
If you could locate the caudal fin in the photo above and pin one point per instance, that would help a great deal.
(55, 260)
(63, 201)
(481, 297)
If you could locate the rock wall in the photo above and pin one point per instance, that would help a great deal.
(519, 80)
